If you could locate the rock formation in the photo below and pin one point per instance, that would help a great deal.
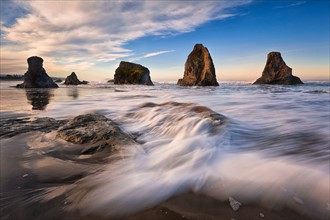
(36, 76)
(73, 80)
(91, 132)
(199, 69)
(277, 72)
(131, 73)
(97, 131)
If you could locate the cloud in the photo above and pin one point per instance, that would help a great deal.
(292, 4)
(81, 34)
(151, 55)
(157, 53)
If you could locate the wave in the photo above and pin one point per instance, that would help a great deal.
(186, 147)
(318, 91)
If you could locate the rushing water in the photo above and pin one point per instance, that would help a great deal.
(258, 143)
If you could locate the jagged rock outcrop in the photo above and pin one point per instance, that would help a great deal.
(36, 76)
(132, 73)
(72, 79)
(199, 69)
(277, 72)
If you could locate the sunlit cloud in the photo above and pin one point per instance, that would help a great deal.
(74, 34)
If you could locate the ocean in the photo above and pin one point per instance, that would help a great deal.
(266, 145)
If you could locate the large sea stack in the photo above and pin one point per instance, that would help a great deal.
(72, 79)
(277, 72)
(36, 76)
(199, 69)
(132, 73)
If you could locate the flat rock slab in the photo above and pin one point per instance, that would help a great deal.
(95, 133)
(13, 127)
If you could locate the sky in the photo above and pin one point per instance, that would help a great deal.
(91, 37)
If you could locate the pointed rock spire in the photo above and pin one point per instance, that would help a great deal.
(199, 69)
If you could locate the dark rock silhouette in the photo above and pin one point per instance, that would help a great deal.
(36, 76)
(199, 69)
(72, 79)
(277, 72)
(132, 73)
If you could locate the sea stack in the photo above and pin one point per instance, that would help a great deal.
(199, 69)
(277, 72)
(132, 73)
(36, 76)
(73, 80)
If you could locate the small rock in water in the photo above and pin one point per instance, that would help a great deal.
(261, 215)
(235, 205)
(25, 175)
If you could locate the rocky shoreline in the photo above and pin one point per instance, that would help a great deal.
(95, 132)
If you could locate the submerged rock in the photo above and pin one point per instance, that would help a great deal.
(132, 73)
(277, 72)
(36, 76)
(72, 79)
(97, 131)
(199, 69)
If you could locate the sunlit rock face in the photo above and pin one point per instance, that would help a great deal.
(277, 72)
(199, 69)
(36, 76)
(132, 73)
(72, 79)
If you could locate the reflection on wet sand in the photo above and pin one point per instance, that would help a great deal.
(73, 92)
(39, 98)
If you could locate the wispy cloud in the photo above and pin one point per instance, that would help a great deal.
(72, 33)
(292, 4)
(157, 53)
(150, 55)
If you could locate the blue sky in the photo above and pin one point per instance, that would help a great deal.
(92, 37)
